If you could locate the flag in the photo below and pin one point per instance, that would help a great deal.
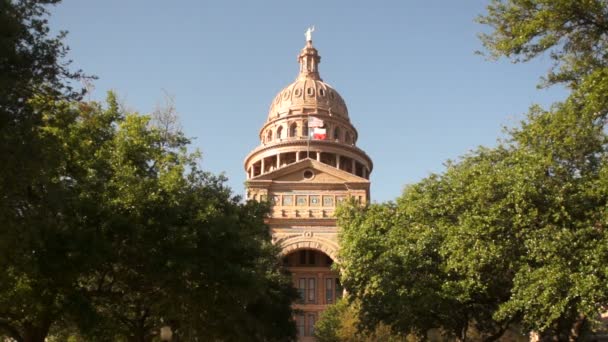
(315, 122)
(318, 133)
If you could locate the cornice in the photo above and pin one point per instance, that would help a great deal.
(304, 223)
(307, 142)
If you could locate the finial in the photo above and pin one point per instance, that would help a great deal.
(309, 58)
(308, 33)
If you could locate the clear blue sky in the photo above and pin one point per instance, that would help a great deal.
(415, 89)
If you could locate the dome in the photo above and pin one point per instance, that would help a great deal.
(307, 120)
(308, 94)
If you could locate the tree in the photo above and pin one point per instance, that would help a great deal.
(575, 33)
(150, 239)
(108, 222)
(511, 235)
(514, 234)
(339, 323)
(208, 266)
(31, 65)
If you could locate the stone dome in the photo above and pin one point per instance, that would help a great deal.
(308, 94)
(308, 119)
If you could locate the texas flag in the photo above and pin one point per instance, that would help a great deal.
(318, 133)
(315, 122)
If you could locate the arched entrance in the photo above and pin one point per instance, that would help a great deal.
(317, 283)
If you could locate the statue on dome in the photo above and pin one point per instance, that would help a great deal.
(308, 33)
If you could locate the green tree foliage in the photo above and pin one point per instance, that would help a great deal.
(30, 64)
(511, 234)
(339, 323)
(109, 227)
(136, 236)
(573, 32)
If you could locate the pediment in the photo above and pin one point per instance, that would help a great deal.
(322, 173)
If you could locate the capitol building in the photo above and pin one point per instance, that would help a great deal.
(306, 164)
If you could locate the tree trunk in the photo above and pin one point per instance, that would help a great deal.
(577, 328)
(35, 333)
(498, 334)
(463, 333)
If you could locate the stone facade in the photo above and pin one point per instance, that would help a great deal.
(305, 179)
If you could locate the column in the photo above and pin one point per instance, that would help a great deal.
(262, 170)
(338, 161)
(318, 156)
(353, 166)
(278, 160)
(321, 289)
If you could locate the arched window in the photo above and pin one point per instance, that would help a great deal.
(305, 128)
(269, 136)
(280, 132)
(337, 133)
(348, 139)
(293, 130)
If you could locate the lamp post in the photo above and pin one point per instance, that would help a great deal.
(166, 334)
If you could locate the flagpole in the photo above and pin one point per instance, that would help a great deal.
(314, 123)
(308, 138)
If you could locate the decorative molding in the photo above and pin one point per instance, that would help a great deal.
(290, 244)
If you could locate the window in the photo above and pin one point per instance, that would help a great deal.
(333, 290)
(311, 290)
(338, 289)
(305, 323)
(287, 200)
(336, 133)
(307, 290)
(329, 290)
(307, 257)
(293, 130)
(302, 289)
(300, 322)
(269, 136)
(280, 132)
(311, 257)
(301, 200)
(308, 174)
(310, 324)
